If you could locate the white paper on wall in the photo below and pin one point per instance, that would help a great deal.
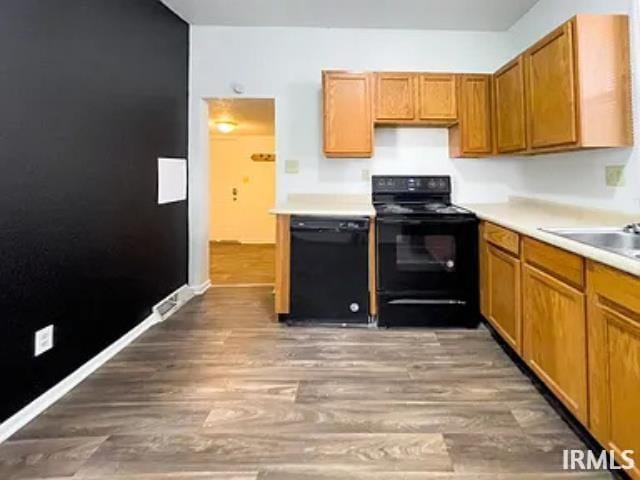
(172, 180)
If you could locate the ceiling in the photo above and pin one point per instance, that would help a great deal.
(488, 15)
(254, 116)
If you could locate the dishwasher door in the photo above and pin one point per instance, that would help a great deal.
(329, 270)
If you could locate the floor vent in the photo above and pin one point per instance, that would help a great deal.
(166, 307)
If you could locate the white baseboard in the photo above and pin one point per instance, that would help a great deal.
(44, 401)
(202, 288)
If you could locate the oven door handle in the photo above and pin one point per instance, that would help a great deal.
(425, 301)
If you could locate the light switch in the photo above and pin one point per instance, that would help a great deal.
(291, 166)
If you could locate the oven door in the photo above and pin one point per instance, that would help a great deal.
(427, 257)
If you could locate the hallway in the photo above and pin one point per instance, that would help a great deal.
(222, 391)
(242, 264)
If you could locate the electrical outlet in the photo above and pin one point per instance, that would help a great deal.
(291, 166)
(365, 175)
(614, 175)
(43, 340)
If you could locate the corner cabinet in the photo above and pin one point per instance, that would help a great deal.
(578, 86)
(472, 135)
(614, 360)
(347, 112)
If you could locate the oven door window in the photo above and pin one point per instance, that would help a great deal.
(425, 253)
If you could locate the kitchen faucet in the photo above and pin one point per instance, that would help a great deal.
(633, 228)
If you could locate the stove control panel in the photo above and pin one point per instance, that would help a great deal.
(440, 184)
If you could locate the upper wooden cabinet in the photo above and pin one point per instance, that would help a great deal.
(551, 90)
(571, 90)
(395, 96)
(472, 135)
(438, 101)
(577, 86)
(415, 98)
(348, 120)
(509, 108)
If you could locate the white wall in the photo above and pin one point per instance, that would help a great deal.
(285, 63)
(247, 219)
(579, 177)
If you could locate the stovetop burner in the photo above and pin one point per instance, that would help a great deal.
(419, 208)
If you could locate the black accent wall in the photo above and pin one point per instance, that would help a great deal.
(91, 94)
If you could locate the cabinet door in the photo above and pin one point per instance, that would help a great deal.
(510, 120)
(551, 90)
(475, 114)
(504, 295)
(554, 337)
(614, 360)
(395, 96)
(348, 122)
(438, 97)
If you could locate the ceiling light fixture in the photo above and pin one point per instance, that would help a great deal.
(226, 127)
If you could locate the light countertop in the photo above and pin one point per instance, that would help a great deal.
(527, 216)
(331, 205)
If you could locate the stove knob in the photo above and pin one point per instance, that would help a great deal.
(431, 184)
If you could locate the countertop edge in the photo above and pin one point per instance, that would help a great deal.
(347, 212)
(604, 257)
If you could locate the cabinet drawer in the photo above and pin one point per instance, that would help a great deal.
(502, 237)
(616, 286)
(559, 263)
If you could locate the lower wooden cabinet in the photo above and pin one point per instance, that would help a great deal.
(283, 259)
(614, 360)
(555, 337)
(584, 345)
(503, 295)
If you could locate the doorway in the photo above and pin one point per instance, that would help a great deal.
(242, 191)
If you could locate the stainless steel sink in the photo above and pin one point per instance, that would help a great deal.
(616, 240)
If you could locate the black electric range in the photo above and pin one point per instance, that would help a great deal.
(426, 254)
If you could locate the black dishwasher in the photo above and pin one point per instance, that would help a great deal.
(329, 270)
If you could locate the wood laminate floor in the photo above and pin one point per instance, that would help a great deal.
(241, 263)
(221, 391)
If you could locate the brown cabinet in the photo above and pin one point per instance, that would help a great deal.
(509, 108)
(551, 90)
(348, 120)
(437, 93)
(577, 86)
(504, 295)
(614, 360)
(472, 135)
(554, 337)
(395, 96)
(283, 264)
